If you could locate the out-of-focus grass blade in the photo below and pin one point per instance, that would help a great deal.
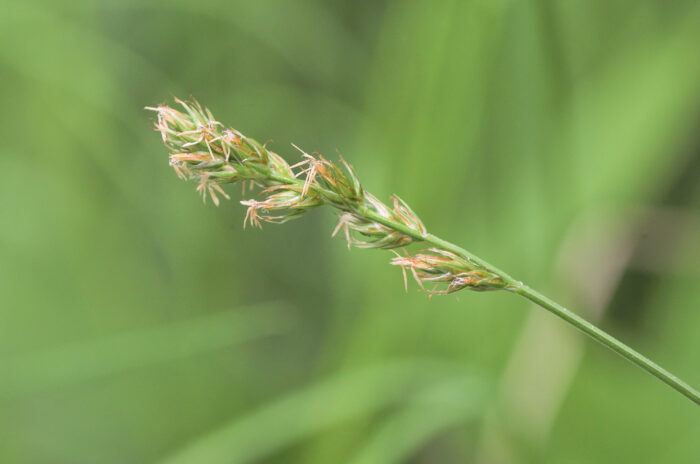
(322, 405)
(62, 49)
(276, 24)
(72, 364)
(445, 405)
(629, 117)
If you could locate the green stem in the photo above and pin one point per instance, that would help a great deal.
(610, 341)
(516, 287)
(553, 307)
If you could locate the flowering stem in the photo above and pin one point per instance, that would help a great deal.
(202, 149)
(541, 300)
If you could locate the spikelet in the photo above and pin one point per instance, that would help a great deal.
(447, 270)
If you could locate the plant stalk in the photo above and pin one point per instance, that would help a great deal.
(536, 297)
(541, 300)
(572, 318)
(611, 342)
(205, 143)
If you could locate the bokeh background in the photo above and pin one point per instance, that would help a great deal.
(557, 139)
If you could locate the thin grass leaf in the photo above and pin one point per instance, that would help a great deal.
(80, 362)
(322, 405)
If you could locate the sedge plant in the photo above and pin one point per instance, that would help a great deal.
(204, 150)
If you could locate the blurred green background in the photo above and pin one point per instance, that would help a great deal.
(557, 139)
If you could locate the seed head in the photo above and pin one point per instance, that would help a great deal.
(202, 149)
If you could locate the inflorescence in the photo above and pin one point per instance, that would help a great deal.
(202, 149)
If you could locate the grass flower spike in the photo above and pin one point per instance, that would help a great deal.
(204, 150)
